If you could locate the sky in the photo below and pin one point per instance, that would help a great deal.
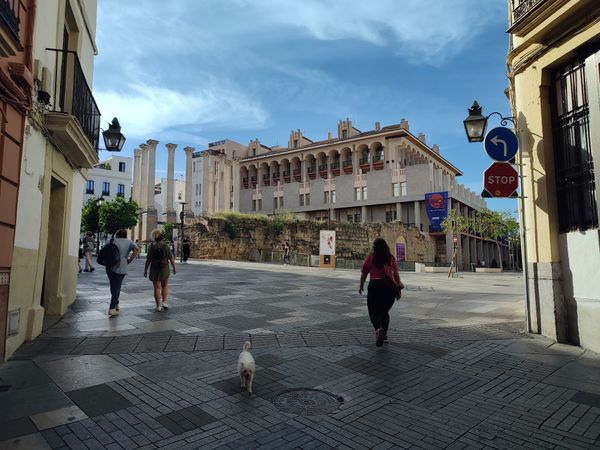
(192, 72)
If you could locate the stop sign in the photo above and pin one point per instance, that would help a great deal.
(500, 179)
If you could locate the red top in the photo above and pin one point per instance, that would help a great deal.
(376, 273)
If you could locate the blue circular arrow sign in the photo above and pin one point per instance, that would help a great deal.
(501, 144)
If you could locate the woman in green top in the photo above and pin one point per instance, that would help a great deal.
(158, 258)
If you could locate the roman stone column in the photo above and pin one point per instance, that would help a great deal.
(135, 193)
(418, 215)
(151, 216)
(143, 193)
(188, 180)
(170, 214)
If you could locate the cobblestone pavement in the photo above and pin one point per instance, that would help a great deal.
(459, 373)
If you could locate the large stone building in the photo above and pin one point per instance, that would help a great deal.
(17, 20)
(554, 63)
(60, 144)
(381, 175)
(109, 179)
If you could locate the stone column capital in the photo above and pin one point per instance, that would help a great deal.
(137, 153)
(189, 150)
(171, 147)
(152, 143)
(144, 147)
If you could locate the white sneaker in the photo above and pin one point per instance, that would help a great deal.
(159, 308)
(113, 312)
(165, 306)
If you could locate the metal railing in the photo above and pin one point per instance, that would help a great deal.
(366, 160)
(9, 13)
(72, 94)
(347, 163)
(521, 8)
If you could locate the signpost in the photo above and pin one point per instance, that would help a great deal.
(501, 144)
(500, 180)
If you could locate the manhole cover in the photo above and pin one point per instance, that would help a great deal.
(307, 402)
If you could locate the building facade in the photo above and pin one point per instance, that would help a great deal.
(215, 177)
(380, 175)
(160, 198)
(109, 179)
(60, 145)
(17, 20)
(554, 70)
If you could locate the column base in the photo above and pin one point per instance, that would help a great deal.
(149, 223)
(547, 306)
(170, 217)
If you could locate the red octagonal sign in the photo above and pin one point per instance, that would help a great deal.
(500, 179)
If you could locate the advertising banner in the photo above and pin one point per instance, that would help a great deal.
(327, 243)
(436, 205)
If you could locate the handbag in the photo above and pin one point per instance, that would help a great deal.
(390, 281)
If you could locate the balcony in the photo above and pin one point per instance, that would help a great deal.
(245, 183)
(378, 162)
(348, 169)
(335, 168)
(365, 164)
(312, 172)
(297, 174)
(286, 176)
(266, 179)
(276, 176)
(253, 182)
(74, 118)
(10, 42)
(323, 170)
(528, 14)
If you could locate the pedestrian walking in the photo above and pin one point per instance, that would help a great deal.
(158, 257)
(128, 251)
(384, 287)
(89, 245)
(286, 253)
(80, 254)
(185, 248)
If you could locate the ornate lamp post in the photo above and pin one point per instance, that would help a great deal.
(113, 138)
(100, 202)
(181, 217)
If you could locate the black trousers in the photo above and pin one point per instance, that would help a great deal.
(116, 281)
(380, 299)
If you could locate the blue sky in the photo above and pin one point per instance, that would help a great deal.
(192, 72)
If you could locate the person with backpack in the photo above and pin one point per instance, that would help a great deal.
(157, 259)
(116, 256)
(384, 287)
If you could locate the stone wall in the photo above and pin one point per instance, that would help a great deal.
(244, 239)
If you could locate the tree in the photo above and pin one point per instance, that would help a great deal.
(118, 214)
(167, 230)
(90, 216)
(457, 224)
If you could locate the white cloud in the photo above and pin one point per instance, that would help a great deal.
(146, 110)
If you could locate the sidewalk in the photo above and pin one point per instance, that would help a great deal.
(459, 372)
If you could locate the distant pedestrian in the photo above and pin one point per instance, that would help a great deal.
(88, 248)
(286, 253)
(128, 251)
(158, 258)
(185, 249)
(382, 292)
(80, 254)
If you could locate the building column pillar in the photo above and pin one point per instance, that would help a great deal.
(417, 206)
(355, 160)
(399, 212)
(135, 192)
(170, 214)
(188, 181)
(363, 214)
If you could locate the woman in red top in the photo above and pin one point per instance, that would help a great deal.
(380, 296)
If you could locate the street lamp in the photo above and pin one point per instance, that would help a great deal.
(113, 138)
(100, 202)
(476, 122)
(181, 217)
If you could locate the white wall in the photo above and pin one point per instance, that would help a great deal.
(29, 220)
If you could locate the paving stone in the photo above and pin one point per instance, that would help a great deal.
(98, 400)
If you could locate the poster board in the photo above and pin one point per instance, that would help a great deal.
(327, 249)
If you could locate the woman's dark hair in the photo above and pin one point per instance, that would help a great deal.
(121, 233)
(381, 253)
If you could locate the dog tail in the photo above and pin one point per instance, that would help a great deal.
(247, 346)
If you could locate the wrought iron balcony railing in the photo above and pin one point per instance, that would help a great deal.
(72, 94)
(522, 8)
(9, 14)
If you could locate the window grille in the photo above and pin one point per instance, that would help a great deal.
(574, 167)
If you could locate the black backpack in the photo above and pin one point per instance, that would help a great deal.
(109, 255)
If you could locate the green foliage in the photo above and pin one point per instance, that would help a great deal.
(276, 222)
(118, 214)
(454, 223)
(90, 216)
(167, 230)
(281, 219)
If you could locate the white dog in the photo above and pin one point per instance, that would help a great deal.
(246, 368)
